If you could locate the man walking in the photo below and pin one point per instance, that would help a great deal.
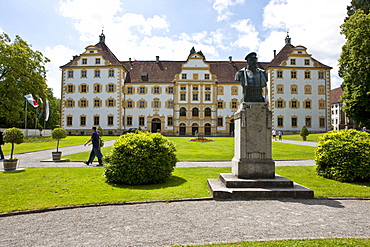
(95, 140)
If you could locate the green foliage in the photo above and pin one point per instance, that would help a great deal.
(22, 72)
(142, 158)
(58, 133)
(354, 68)
(344, 156)
(358, 4)
(101, 131)
(13, 136)
(304, 132)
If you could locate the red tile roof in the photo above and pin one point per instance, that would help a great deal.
(336, 95)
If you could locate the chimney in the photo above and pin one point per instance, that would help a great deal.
(156, 59)
(274, 53)
(230, 59)
(129, 59)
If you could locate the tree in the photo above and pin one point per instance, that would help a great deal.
(22, 72)
(358, 4)
(304, 132)
(354, 67)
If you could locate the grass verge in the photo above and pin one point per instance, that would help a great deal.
(38, 188)
(222, 148)
(310, 137)
(335, 242)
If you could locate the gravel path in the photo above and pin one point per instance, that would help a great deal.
(193, 222)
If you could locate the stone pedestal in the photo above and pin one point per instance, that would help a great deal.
(252, 144)
(253, 170)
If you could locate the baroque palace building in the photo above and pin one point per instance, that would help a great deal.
(188, 97)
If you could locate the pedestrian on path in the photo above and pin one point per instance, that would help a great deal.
(95, 140)
(274, 134)
(280, 133)
(1, 144)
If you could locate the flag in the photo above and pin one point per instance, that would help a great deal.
(47, 111)
(31, 100)
(42, 109)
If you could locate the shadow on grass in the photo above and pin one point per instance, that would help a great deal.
(174, 181)
(13, 172)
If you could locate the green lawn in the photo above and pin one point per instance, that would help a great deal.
(334, 242)
(43, 145)
(310, 137)
(222, 148)
(37, 188)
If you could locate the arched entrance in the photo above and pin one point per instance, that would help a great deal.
(194, 128)
(156, 125)
(207, 129)
(182, 129)
(232, 127)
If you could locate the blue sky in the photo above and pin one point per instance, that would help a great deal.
(143, 29)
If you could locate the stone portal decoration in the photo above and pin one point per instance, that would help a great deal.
(253, 170)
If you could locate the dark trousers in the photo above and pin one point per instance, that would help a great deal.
(95, 152)
(1, 154)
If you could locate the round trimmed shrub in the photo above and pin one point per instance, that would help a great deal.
(142, 158)
(344, 156)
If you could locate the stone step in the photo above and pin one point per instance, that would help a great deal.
(231, 181)
(221, 192)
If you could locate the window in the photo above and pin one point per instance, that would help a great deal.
(169, 121)
(195, 96)
(207, 112)
(129, 121)
(294, 122)
(97, 60)
(280, 88)
(220, 121)
(70, 103)
(156, 90)
(83, 103)
(183, 88)
(294, 104)
(220, 90)
(280, 121)
(322, 122)
(307, 89)
(96, 120)
(195, 88)
(130, 104)
(321, 75)
(321, 104)
(279, 74)
(96, 103)
(84, 60)
(110, 121)
(293, 74)
(130, 90)
(70, 73)
(141, 104)
(220, 105)
(307, 62)
(182, 96)
(82, 120)
(182, 112)
(69, 121)
(156, 104)
(70, 88)
(183, 76)
(144, 78)
(234, 90)
(294, 89)
(207, 97)
(308, 122)
(206, 76)
(111, 73)
(97, 88)
(307, 75)
(97, 73)
(84, 74)
(321, 89)
(111, 88)
(83, 88)
(208, 88)
(170, 90)
(110, 103)
(234, 105)
(280, 103)
(141, 90)
(141, 121)
(170, 104)
(195, 112)
(292, 61)
(307, 104)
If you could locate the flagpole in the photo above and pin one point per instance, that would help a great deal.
(25, 121)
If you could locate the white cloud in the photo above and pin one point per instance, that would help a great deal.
(222, 8)
(248, 35)
(58, 55)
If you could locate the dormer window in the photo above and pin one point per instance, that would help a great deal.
(84, 60)
(91, 51)
(144, 78)
(97, 60)
(183, 76)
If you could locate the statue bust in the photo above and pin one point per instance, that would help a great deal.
(252, 79)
